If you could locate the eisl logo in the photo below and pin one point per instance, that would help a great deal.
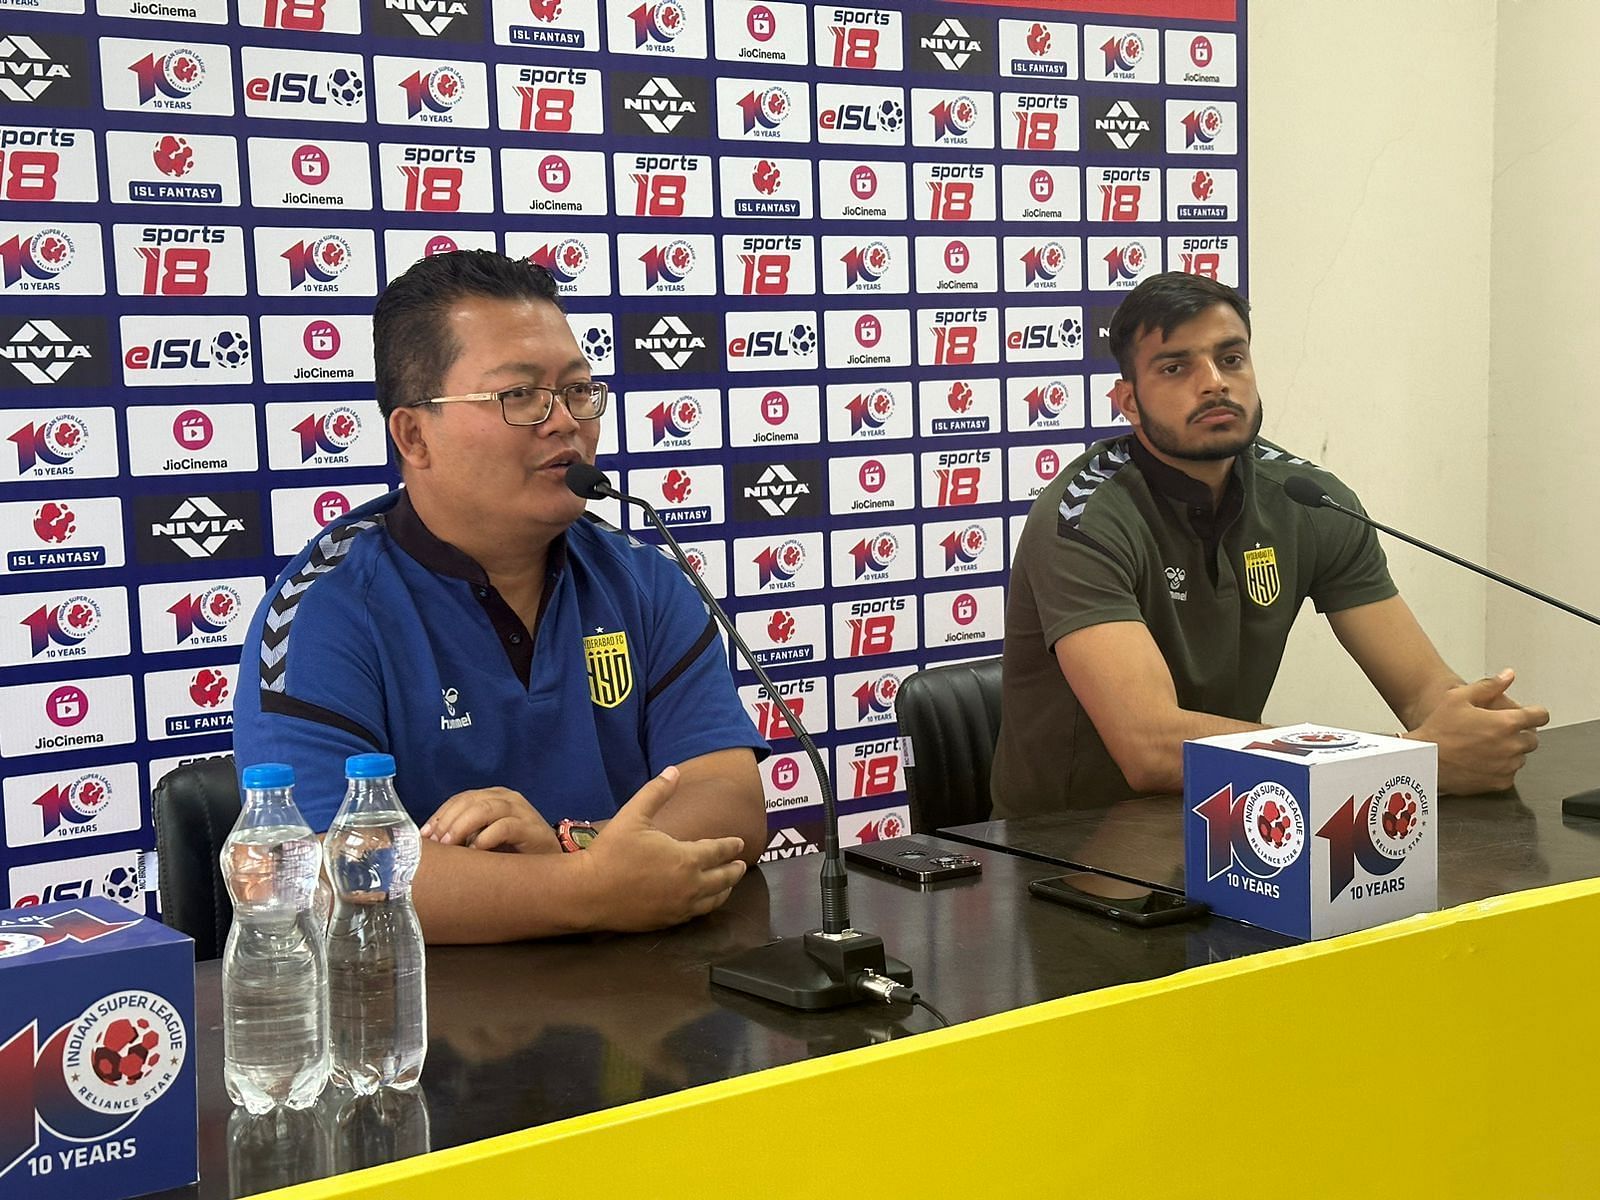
(951, 44)
(962, 617)
(295, 173)
(182, 529)
(293, 262)
(192, 615)
(319, 350)
(46, 627)
(554, 100)
(784, 489)
(768, 266)
(41, 352)
(210, 350)
(442, 20)
(666, 186)
(120, 877)
(60, 806)
(859, 39)
(866, 697)
(685, 495)
(170, 168)
(1043, 265)
(1202, 128)
(777, 564)
(955, 406)
(874, 338)
(885, 625)
(857, 116)
(957, 264)
(48, 165)
(806, 697)
(416, 91)
(1044, 334)
(291, 85)
(761, 31)
(781, 341)
(1118, 264)
(547, 181)
(757, 110)
(146, 76)
(1048, 193)
(957, 337)
(436, 179)
(954, 191)
(869, 555)
(1116, 53)
(579, 263)
(1039, 49)
(179, 260)
(961, 548)
(952, 478)
(948, 119)
(189, 702)
(1197, 59)
(849, 189)
(552, 24)
(303, 436)
(48, 70)
(1117, 125)
(865, 265)
(680, 419)
(1031, 468)
(784, 635)
(1202, 194)
(1045, 402)
(676, 28)
(676, 342)
(1213, 257)
(64, 259)
(649, 265)
(43, 718)
(867, 770)
(1039, 122)
(766, 416)
(656, 104)
(61, 535)
(1123, 193)
(873, 412)
(766, 187)
(62, 444)
(302, 16)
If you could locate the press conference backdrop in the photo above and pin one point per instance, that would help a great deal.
(847, 267)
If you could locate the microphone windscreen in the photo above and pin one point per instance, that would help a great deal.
(587, 480)
(1302, 489)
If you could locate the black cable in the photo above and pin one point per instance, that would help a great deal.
(938, 1016)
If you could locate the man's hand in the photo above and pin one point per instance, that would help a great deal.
(644, 878)
(1484, 737)
(494, 818)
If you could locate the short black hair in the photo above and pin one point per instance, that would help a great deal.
(412, 349)
(1164, 302)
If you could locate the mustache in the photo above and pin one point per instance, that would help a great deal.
(1229, 405)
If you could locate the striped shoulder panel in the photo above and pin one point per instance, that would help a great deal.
(601, 523)
(328, 553)
(1091, 476)
(1267, 452)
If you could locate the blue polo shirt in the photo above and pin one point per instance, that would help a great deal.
(379, 636)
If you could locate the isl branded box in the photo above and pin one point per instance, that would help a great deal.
(1311, 831)
(97, 1078)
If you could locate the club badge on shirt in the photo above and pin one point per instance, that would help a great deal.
(605, 656)
(1261, 580)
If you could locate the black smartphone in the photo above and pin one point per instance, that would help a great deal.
(1118, 899)
(913, 858)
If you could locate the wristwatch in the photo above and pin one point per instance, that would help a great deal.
(575, 835)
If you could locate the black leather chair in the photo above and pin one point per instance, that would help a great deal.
(952, 716)
(195, 807)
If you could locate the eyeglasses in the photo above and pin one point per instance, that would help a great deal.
(526, 404)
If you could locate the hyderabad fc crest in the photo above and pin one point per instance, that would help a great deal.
(605, 656)
(1261, 580)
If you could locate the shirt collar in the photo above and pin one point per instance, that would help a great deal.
(1186, 489)
(440, 557)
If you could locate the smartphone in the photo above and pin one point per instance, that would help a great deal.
(912, 858)
(1118, 899)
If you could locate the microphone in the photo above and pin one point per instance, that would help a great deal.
(826, 967)
(1302, 489)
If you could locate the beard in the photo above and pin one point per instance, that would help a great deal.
(1171, 441)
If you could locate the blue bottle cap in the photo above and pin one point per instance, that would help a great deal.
(267, 775)
(369, 766)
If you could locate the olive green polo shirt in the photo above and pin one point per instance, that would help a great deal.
(1121, 536)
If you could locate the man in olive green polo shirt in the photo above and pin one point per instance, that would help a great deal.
(1157, 578)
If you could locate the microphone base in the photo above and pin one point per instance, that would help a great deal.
(810, 972)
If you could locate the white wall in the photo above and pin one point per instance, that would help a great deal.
(1370, 164)
(1544, 378)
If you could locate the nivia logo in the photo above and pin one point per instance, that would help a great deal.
(670, 343)
(48, 69)
(43, 352)
(679, 107)
(1118, 125)
(776, 490)
(764, 490)
(450, 20)
(185, 528)
(954, 45)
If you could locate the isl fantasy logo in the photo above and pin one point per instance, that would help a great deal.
(1038, 39)
(871, 411)
(780, 626)
(1043, 263)
(55, 443)
(175, 75)
(959, 397)
(765, 110)
(208, 688)
(1123, 53)
(676, 486)
(1378, 834)
(1046, 402)
(1260, 832)
(330, 433)
(875, 698)
(54, 523)
(206, 616)
(658, 24)
(875, 554)
(436, 91)
(766, 177)
(953, 118)
(76, 804)
(781, 563)
(565, 260)
(321, 260)
(674, 420)
(667, 265)
(1202, 126)
(173, 156)
(93, 1076)
(865, 264)
(41, 256)
(66, 625)
(963, 548)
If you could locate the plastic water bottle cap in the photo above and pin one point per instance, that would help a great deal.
(368, 766)
(267, 775)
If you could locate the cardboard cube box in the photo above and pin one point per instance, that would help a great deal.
(1311, 831)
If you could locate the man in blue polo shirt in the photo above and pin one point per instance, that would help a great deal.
(524, 664)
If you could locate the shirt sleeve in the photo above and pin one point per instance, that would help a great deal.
(1351, 567)
(1077, 579)
(690, 705)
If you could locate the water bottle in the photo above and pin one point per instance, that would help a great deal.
(274, 972)
(378, 998)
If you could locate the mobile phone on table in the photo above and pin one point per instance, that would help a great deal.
(1118, 899)
(913, 858)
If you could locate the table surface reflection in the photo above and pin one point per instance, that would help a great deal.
(523, 1035)
(1488, 845)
